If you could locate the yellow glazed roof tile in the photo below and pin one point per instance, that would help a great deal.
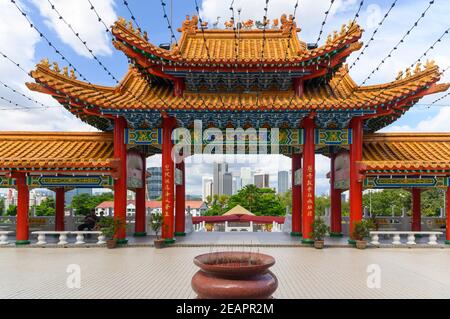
(51, 150)
(135, 92)
(406, 151)
(243, 46)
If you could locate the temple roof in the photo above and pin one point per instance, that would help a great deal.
(275, 44)
(136, 93)
(56, 151)
(238, 69)
(406, 152)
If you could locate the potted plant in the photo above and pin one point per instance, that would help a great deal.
(157, 224)
(320, 230)
(109, 228)
(361, 231)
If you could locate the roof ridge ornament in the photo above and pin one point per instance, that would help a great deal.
(190, 26)
(44, 63)
(288, 25)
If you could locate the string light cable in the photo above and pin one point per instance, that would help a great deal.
(205, 43)
(324, 21)
(261, 71)
(169, 25)
(399, 43)
(133, 17)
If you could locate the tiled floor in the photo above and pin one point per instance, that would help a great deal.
(144, 272)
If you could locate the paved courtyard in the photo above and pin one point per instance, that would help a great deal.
(144, 272)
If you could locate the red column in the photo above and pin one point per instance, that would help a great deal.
(168, 188)
(23, 206)
(416, 215)
(141, 201)
(296, 197)
(180, 203)
(59, 209)
(356, 210)
(335, 198)
(120, 184)
(308, 180)
(447, 213)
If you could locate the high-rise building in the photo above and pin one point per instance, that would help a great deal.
(246, 176)
(222, 180)
(283, 182)
(237, 184)
(227, 183)
(154, 183)
(261, 180)
(207, 187)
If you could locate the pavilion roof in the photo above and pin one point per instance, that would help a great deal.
(276, 44)
(406, 152)
(56, 151)
(135, 93)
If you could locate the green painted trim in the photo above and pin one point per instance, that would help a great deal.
(308, 241)
(179, 233)
(140, 234)
(336, 235)
(22, 242)
(296, 234)
(447, 242)
(352, 242)
(122, 241)
(169, 240)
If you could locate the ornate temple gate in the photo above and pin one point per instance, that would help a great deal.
(276, 82)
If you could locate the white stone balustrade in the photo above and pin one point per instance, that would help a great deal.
(4, 237)
(411, 236)
(41, 236)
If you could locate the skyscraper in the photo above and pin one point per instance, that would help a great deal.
(207, 188)
(222, 180)
(227, 184)
(154, 183)
(283, 182)
(246, 176)
(237, 184)
(261, 180)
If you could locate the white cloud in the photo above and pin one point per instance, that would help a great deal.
(437, 123)
(83, 21)
(21, 43)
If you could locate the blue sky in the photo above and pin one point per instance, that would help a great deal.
(25, 46)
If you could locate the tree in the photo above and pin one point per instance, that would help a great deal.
(84, 203)
(322, 202)
(217, 205)
(46, 208)
(2, 206)
(259, 201)
(12, 210)
(431, 202)
(286, 199)
(387, 201)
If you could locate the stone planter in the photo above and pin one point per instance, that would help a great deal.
(318, 244)
(234, 275)
(111, 243)
(159, 243)
(361, 244)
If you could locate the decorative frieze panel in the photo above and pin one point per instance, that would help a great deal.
(70, 181)
(280, 137)
(330, 137)
(401, 181)
(6, 182)
(143, 137)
